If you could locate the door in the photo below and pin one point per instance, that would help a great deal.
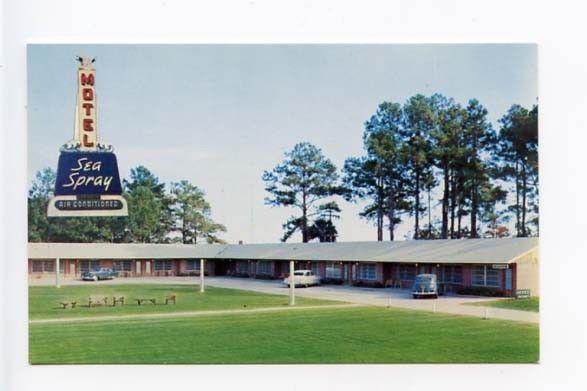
(138, 268)
(72, 268)
(508, 279)
(147, 267)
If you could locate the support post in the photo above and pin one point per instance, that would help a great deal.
(202, 272)
(292, 285)
(57, 267)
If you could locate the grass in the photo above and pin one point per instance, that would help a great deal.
(327, 335)
(531, 304)
(44, 300)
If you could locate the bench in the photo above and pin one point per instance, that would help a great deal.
(169, 299)
(65, 304)
(522, 293)
(96, 301)
(141, 301)
(393, 283)
(117, 300)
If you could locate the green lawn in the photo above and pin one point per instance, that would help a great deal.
(348, 335)
(44, 300)
(531, 304)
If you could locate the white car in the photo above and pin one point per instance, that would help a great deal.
(303, 278)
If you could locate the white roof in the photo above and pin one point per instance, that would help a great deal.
(121, 251)
(412, 251)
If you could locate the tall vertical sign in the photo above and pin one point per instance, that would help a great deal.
(85, 125)
(87, 181)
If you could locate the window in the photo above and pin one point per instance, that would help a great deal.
(316, 269)
(453, 274)
(242, 267)
(37, 266)
(86, 266)
(491, 276)
(263, 267)
(285, 268)
(485, 276)
(407, 272)
(162, 266)
(368, 271)
(121, 266)
(193, 266)
(49, 266)
(333, 270)
(46, 266)
(478, 275)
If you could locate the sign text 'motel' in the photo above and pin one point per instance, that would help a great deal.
(87, 182)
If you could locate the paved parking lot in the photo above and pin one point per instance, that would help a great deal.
(400, 298)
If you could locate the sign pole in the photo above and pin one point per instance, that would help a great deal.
(292, 284)
(202, 264)
(57, 266)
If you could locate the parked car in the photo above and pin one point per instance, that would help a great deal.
(102, 274)
(425, 286)
(303, 278)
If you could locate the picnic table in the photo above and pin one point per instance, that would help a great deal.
(117, 300)
(65, 304)
(96, 301)
(145, 300)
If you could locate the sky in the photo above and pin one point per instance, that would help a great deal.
(219, 115)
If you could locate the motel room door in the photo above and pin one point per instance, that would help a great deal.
(138, 270)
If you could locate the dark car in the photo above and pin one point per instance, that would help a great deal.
(425, 286)
(102, 274)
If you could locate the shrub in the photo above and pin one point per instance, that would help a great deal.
(264, 277)
(480, 291)
(333, 281)
(368, 284)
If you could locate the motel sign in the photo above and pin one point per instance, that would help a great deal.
(87, 183)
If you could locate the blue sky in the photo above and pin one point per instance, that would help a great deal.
(218, 115)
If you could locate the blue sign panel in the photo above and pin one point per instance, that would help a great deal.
(87, 173)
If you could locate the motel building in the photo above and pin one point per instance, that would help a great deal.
(466, 266)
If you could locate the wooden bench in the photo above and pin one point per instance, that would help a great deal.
(393, 283)
(141, 301)
(523, 293)
(65, 304)
(117, 300)
(169, 299)
(97, 301)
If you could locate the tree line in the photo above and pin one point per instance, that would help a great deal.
(155, 215)
(429, 151)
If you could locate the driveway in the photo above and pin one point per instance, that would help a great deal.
(385, 297)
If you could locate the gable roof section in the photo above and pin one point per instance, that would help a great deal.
(412, 251)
